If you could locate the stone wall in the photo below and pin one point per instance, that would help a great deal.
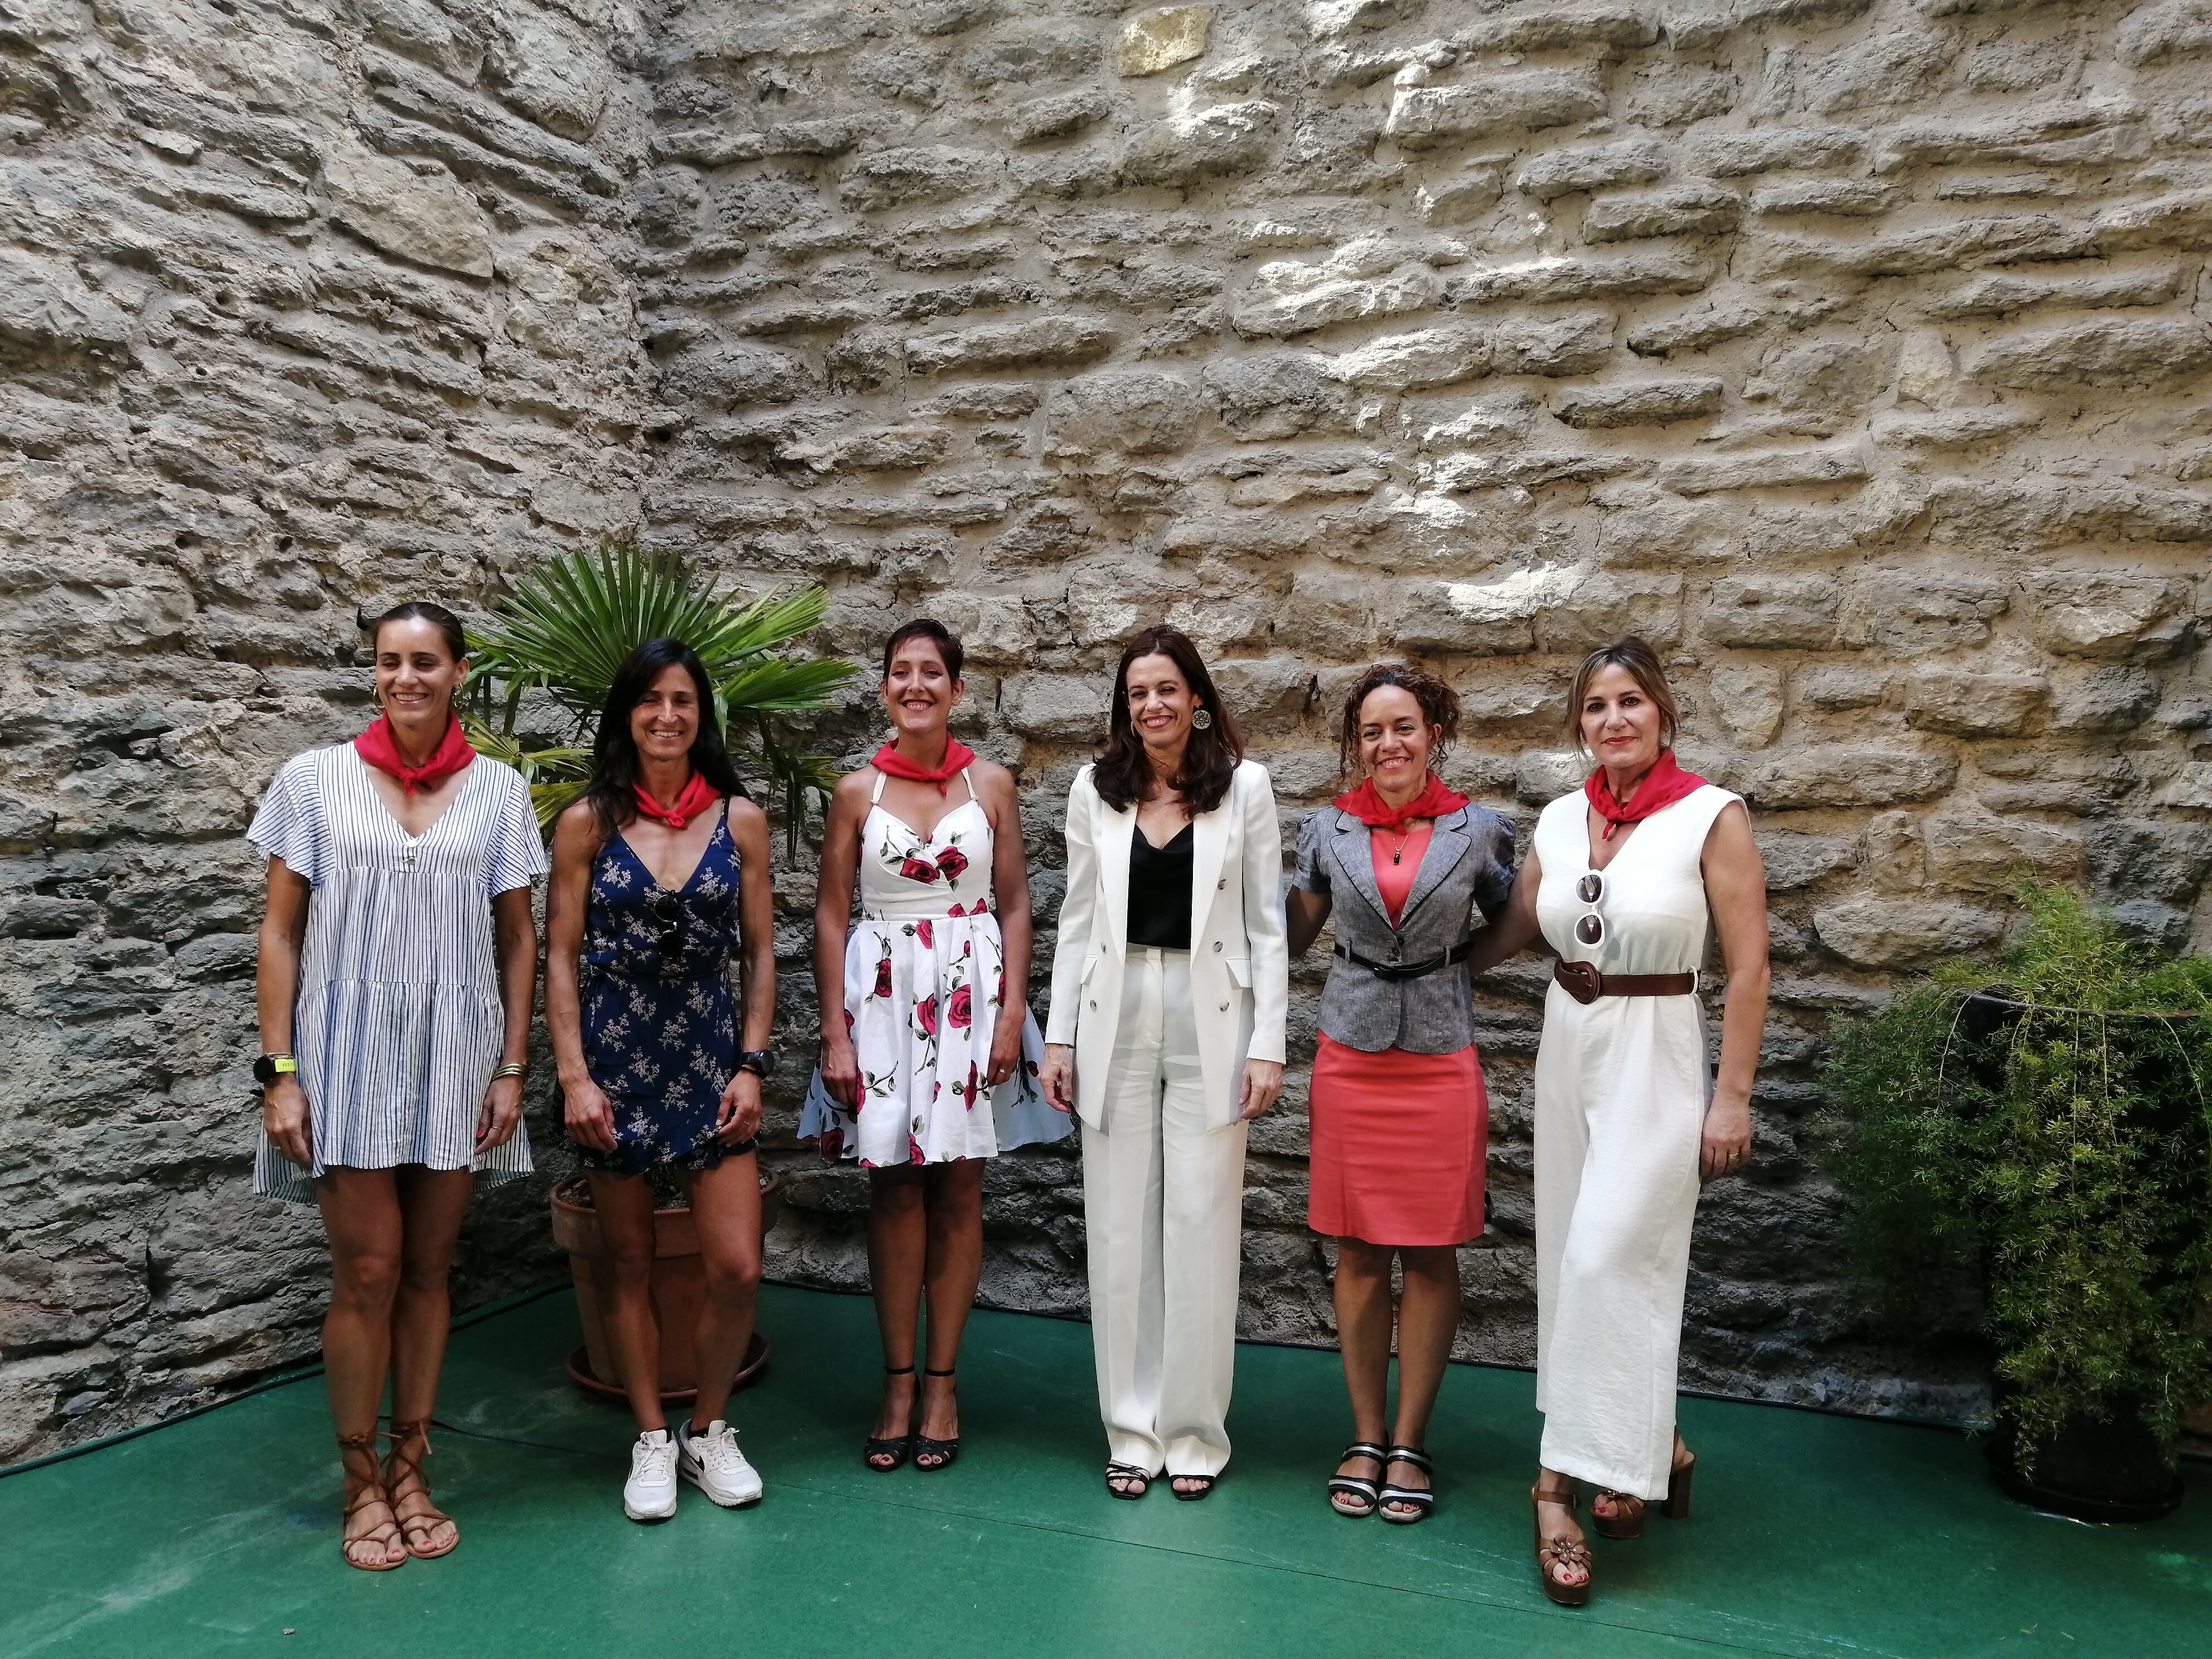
(1857, 352)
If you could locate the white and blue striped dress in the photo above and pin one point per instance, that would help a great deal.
(398, 1023)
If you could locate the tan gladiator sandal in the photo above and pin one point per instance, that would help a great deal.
(404, 1482)
(366, 1493)
(1560, 1552)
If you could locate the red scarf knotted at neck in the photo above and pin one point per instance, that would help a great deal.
(1662, 785)
(380, 748)
(698, 796)
(1366, 804)
(957, 755)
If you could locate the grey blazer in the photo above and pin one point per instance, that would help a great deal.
(1469, 867)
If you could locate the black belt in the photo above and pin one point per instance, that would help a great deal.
(1421, 969)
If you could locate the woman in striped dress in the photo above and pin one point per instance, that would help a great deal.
(398, 958)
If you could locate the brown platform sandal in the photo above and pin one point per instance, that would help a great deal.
(365, 1491)
(1627, 1518)
(1560, 1552)
(422, 1516)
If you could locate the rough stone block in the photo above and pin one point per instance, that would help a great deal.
(1135, 410)
(425, 217)
(1038, 340)
(1773, 611)
(1287, 298)
(1970, 703)
(1580, 169)
(45, 305)
(1275, 395)
(2104, 351)
(1220, 142)
(1557, 277)
(1746, 699)
(1524, 99)
(1774, 149)
(1869, 931)
(2116, 616)
(2103, 702)
(1161, 39)
(1835, 687)
(1771, 469)
(1056, 115)
(1456, 198)
(1677, 210)
(1988, 852)
(2158, 34)
(1794, 860)
(1639, 402)
(1848, 775)
(1578, 343)
(1424, 357)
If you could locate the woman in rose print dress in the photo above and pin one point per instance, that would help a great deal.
(929, 1055)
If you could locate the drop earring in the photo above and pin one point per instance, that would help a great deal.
(1202, 720)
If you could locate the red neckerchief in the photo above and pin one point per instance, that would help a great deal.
(698, 796)
(1366, 804)
(1662, 785)
(957, 755)
(378, 747)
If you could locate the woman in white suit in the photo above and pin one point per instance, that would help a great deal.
(1171, 982)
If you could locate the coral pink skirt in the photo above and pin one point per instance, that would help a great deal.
(1398, 1145)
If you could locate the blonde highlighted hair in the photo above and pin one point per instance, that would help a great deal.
(1641, 664)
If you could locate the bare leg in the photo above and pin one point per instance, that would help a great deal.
(623, 1205)
(432, 1203)
(1363, 1332)
(898, 1246)
(362, 1216)
(955, 1267)
(1428, 1319)
(726, 1209)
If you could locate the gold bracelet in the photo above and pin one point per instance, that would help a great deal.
(510, 1068)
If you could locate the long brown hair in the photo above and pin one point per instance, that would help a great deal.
(1209, 760)
(1642, 664)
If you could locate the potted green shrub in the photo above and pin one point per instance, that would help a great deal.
(541, 671)
(2043, 1130)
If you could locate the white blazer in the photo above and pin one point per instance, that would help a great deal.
(1240, 959)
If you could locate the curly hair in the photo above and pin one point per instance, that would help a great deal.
(1439, 708)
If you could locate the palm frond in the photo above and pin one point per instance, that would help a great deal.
(566, 628)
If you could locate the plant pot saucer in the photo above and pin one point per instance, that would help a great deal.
(579, 1368)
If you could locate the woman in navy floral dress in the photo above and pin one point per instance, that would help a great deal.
(660, 874)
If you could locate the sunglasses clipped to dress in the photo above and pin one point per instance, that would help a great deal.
(1590, 926)
(668, 910)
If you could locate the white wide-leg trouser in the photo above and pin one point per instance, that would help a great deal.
(1621, 1090)
(1163, 1200)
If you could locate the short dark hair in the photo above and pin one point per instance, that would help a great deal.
(1642, 664)
(1440, 707)
(1210, 760)
(448, 624)
(927, 627)
(614, 750)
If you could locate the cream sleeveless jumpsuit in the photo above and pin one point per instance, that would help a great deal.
(1622, 1085)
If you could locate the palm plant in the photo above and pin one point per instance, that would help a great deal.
(566, 628)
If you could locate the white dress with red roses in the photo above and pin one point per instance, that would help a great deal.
(925, 978)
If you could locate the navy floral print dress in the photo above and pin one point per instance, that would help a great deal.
(660, 1030)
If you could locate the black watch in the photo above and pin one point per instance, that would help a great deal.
(761, 1062)
(269, 1068)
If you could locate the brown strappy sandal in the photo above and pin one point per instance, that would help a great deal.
(369, 1493)
(422, 1516)
(1560, 1552)
(1628, 1514)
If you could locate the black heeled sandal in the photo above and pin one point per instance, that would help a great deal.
(897, 1448)
(1206, 1486)
(946, 1452)
(1422, 1500)
(1136, 1480)
(1365, 1493)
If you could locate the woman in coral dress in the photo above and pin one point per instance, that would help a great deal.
(929, 1055)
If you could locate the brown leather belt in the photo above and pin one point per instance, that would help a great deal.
(1583, 981)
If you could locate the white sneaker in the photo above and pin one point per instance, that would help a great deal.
(709, 1460)
(650, 1492)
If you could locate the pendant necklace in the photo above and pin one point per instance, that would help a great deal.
(1399, 852)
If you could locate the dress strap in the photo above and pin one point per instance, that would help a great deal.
(876, 795)
(969, 782)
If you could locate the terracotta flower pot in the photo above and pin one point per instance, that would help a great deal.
(679, 1289)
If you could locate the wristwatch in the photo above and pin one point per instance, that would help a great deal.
(270, 1068)
(761, 1062)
